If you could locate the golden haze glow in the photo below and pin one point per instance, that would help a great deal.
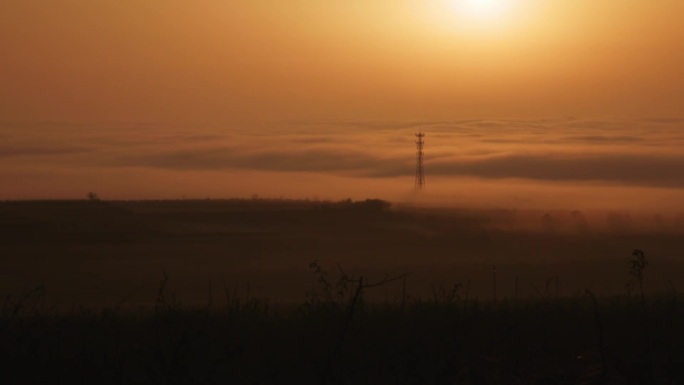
(214, 60)
(482, 11)
(168, 97)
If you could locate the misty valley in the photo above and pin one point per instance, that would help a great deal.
(96, 252)
(274, 290)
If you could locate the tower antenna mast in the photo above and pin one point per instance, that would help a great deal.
(420, 168)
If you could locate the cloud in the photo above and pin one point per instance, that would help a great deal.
(625, 168)
(638, 153)
(661, 120)
(16, 151)
(637, 169)
(603, 139)
(308, 160)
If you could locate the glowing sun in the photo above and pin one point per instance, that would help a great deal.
(482, 10)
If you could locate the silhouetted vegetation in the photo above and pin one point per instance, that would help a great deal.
(337, 336)
(393, 295)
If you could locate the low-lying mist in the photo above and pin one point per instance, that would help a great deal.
(570, 164)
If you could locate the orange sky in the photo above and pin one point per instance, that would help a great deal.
(543, 103)
(226, 61)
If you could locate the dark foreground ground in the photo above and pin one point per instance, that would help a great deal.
(103, 253)
(346, 340)
(226, 292)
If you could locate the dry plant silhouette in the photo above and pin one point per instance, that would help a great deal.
(347, 324)
(335, 336)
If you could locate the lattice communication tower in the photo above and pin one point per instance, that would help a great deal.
(420, 168)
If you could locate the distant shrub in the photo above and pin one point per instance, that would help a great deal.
(373, 205)
(93, 197)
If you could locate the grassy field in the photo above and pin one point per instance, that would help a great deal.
(275, 291)
(98, 253)
(336, 336)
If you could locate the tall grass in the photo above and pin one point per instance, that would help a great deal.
(336, 336)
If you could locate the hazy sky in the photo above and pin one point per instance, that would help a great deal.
(566, 103)
(235, 60)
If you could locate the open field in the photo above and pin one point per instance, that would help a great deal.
(101, 253)
(335, 336)
(277, 291)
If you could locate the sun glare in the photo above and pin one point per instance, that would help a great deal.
(478, 18)
(481, 10)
